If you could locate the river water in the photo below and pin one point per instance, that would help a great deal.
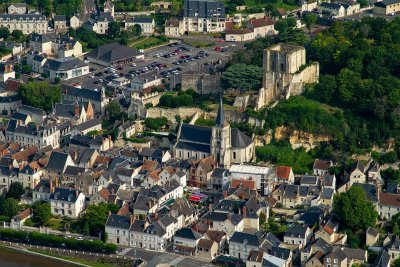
(12, 258)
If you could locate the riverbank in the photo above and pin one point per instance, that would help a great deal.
(71, 257)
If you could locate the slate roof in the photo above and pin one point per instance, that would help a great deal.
(327, 193)
(113, 52)
(22, 16)
(309, 180)
(218, 172)
(60, 18)
(246, 238)
(385, 3)
(94, 95)
(139, 20)
(65, 110)
(296, 231)
(195, 133)
(370, 191)
(372, 231)
(188, 233)
(355, 253)
(74, 170)
(282, 253)
(239, 139)
(88, 124)
(118, 221)
(383, 260)
(105, 16)
(65, 194)
(64, 64)
(57, 161)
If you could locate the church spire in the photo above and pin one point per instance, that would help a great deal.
(220, 116)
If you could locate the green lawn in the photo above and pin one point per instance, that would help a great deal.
(146, 42)
(55, 224)
(286, 6)
(77, 260)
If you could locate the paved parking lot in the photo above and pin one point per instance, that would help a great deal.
(150, 57)
(153, 258)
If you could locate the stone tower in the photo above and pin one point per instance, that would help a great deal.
(221, 138)
(281, 61)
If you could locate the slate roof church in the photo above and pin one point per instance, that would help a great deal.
(227, 145)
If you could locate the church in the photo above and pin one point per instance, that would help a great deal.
(227, 145)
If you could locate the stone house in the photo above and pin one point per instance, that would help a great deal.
(321, 167)
(388, 205)
(173, 28)
(241, 244)
(371, 236)
(117, 229)
(218, 237)
(186, 241)
(336, 257)
(67, 202)
(207, 249)
(298, 235)
(284, 174)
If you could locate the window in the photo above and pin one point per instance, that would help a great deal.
(335, 261)
(328, 260)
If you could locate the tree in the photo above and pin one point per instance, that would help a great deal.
(263, 218)
(44, 6)
(137, 29)
(86, 229)
(57, 80)
(114, 29)
(41, 212)
(291, 23)
(244, 77)
(155, 123)
(309, 20)
(281, 25)
(96, 217)
(40, 95)
(356, 212)
(4, 32)
(148, 105)
(10, 207)
(396, 230)
(17, 34)
(114, 111)
(16, 190)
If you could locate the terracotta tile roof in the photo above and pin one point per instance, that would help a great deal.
(238, 31)
(205, 243)
(283, 172)
(43, 161)
(149, 165)
(25, 154)
(154, 175)
(124, 210)
(228, 25)
(14, 146)
(12, 85)
(104, 193)
(34, 165)
(387, 199)
(328, 229)
(262, 22)
(215, 235)
(24, 214)
(247, 184)
(282, 12)
(172, 23)
(103, 160)
(322, 164)
(170, 170)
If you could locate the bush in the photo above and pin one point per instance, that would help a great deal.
(172, 101)
(155, 123)
(57, 241)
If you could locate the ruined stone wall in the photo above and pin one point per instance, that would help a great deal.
(201, 83)
(171, 113)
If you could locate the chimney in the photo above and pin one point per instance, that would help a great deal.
(210, 207)
(75, 155)
(76, 110)
(225, 194)
(244, 211)
(109, 141)
(51, 186)
(132, 219)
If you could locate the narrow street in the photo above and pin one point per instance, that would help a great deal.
(88, 7)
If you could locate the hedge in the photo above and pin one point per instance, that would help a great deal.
(57, 241)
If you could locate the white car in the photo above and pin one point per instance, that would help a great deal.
(133, 65)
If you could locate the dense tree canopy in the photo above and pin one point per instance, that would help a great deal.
(244, 77)
(16, 190)
(174, 101)
(41, 212)
(355, 211)
(40, 95)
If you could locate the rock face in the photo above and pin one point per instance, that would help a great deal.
(296, 138)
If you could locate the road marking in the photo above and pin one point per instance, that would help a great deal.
(177, 260)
